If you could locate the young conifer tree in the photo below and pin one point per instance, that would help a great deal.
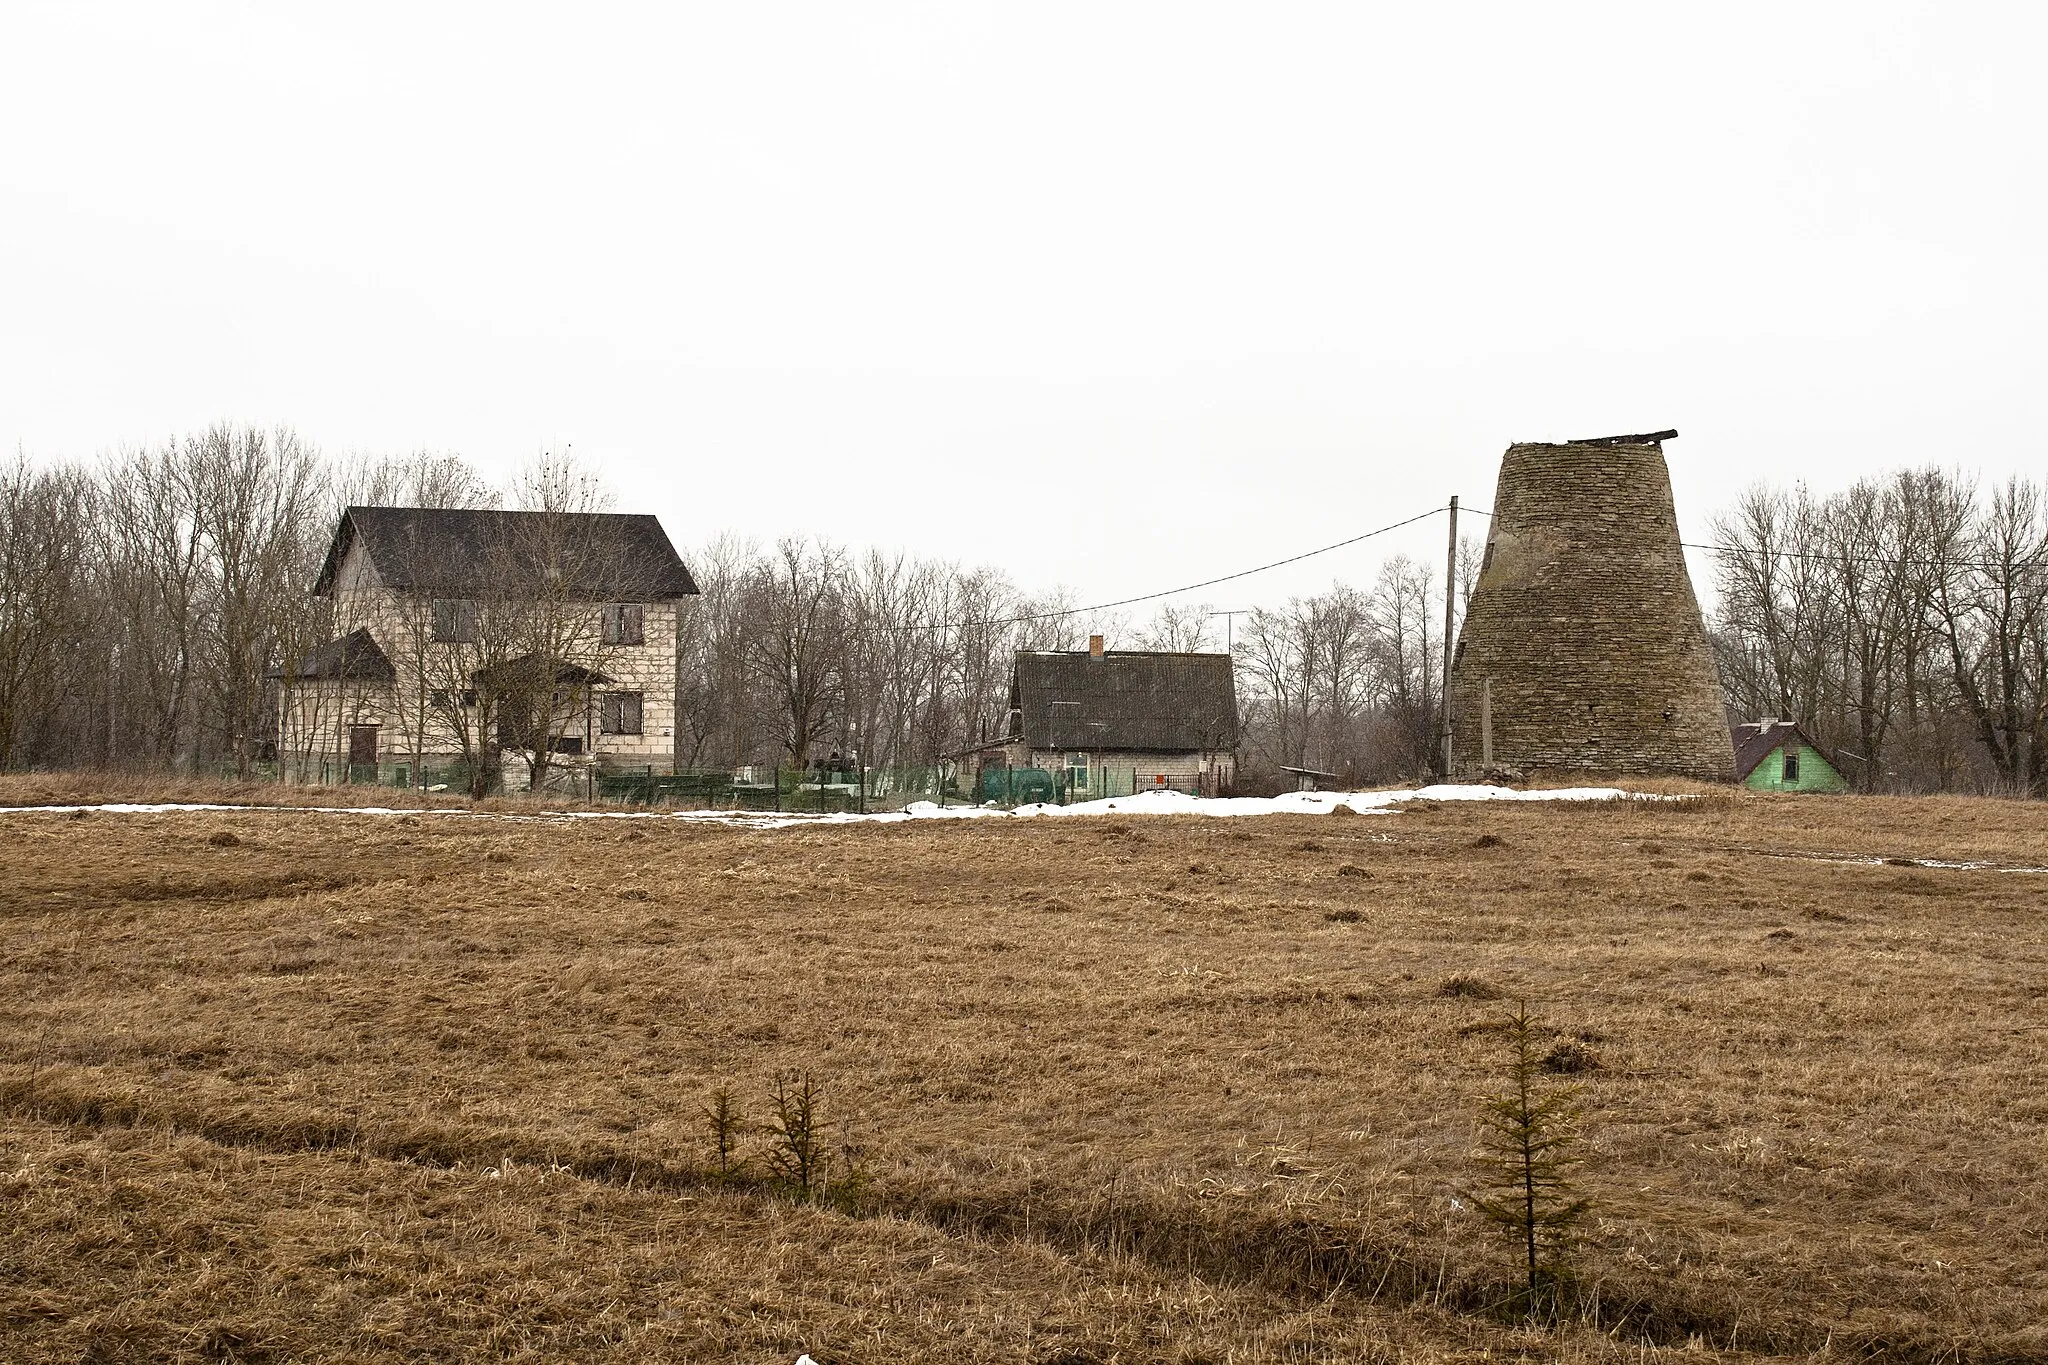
(1526, 1150)
(726, 1126)
(799, 1156)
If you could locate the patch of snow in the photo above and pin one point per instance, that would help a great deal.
(1144, 803)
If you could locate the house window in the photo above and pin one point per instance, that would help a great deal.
(454, 621)
(621, 713)
(1077, 772)
(1791, 766)
(624, 624)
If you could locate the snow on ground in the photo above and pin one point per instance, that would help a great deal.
(1144, 803)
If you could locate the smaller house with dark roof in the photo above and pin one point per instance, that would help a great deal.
(1779, 756)
(1107, 722)
(500, 644)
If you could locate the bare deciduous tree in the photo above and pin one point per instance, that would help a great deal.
(797, 599)
(44, 518)
(1181, 629)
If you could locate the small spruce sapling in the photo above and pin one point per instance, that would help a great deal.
(1526, 1148)
(799, 1155)
(726, 1126)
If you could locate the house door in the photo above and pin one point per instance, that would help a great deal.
(362, 753)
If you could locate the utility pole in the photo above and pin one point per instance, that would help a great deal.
(1450, 619)
(1229, 628)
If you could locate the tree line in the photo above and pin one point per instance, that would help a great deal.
(150, 601)
(1903, 619)
(148, 598)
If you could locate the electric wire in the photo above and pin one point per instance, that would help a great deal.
(1191, 587)
(1058, 613)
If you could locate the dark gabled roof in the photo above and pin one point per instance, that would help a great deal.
(1758, 740)
(1127, 699)
(527, 670)
(355, 657)
(608, 556)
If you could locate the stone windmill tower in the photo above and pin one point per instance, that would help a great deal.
(1583, 645)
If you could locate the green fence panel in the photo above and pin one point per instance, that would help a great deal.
(1018, 786)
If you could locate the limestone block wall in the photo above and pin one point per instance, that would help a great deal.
(1584, 619)
(403, 629)
(650, 670)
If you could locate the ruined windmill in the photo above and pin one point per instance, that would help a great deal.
(1583, 645)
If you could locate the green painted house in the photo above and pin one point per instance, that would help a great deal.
(1779, 756)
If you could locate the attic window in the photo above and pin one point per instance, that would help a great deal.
(625, 624)
(454, 622)
(1791, 773)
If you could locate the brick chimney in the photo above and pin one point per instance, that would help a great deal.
(1095, 646)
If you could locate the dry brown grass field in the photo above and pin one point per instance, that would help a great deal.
(288, 1086)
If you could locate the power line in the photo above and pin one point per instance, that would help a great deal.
(1191, 587)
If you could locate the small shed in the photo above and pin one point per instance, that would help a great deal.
(1779, 756)
(1310, 779)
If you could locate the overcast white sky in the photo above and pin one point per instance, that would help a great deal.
(1110, 295)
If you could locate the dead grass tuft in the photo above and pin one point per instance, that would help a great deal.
(1463, 987)
(1571, 1057)
(232, 1345)
(1344, 916)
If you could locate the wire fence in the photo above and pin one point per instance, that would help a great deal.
(329, 771)
(764, 787)
(1011, 787)
(816, 789)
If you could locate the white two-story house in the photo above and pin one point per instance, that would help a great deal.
(502, 647)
